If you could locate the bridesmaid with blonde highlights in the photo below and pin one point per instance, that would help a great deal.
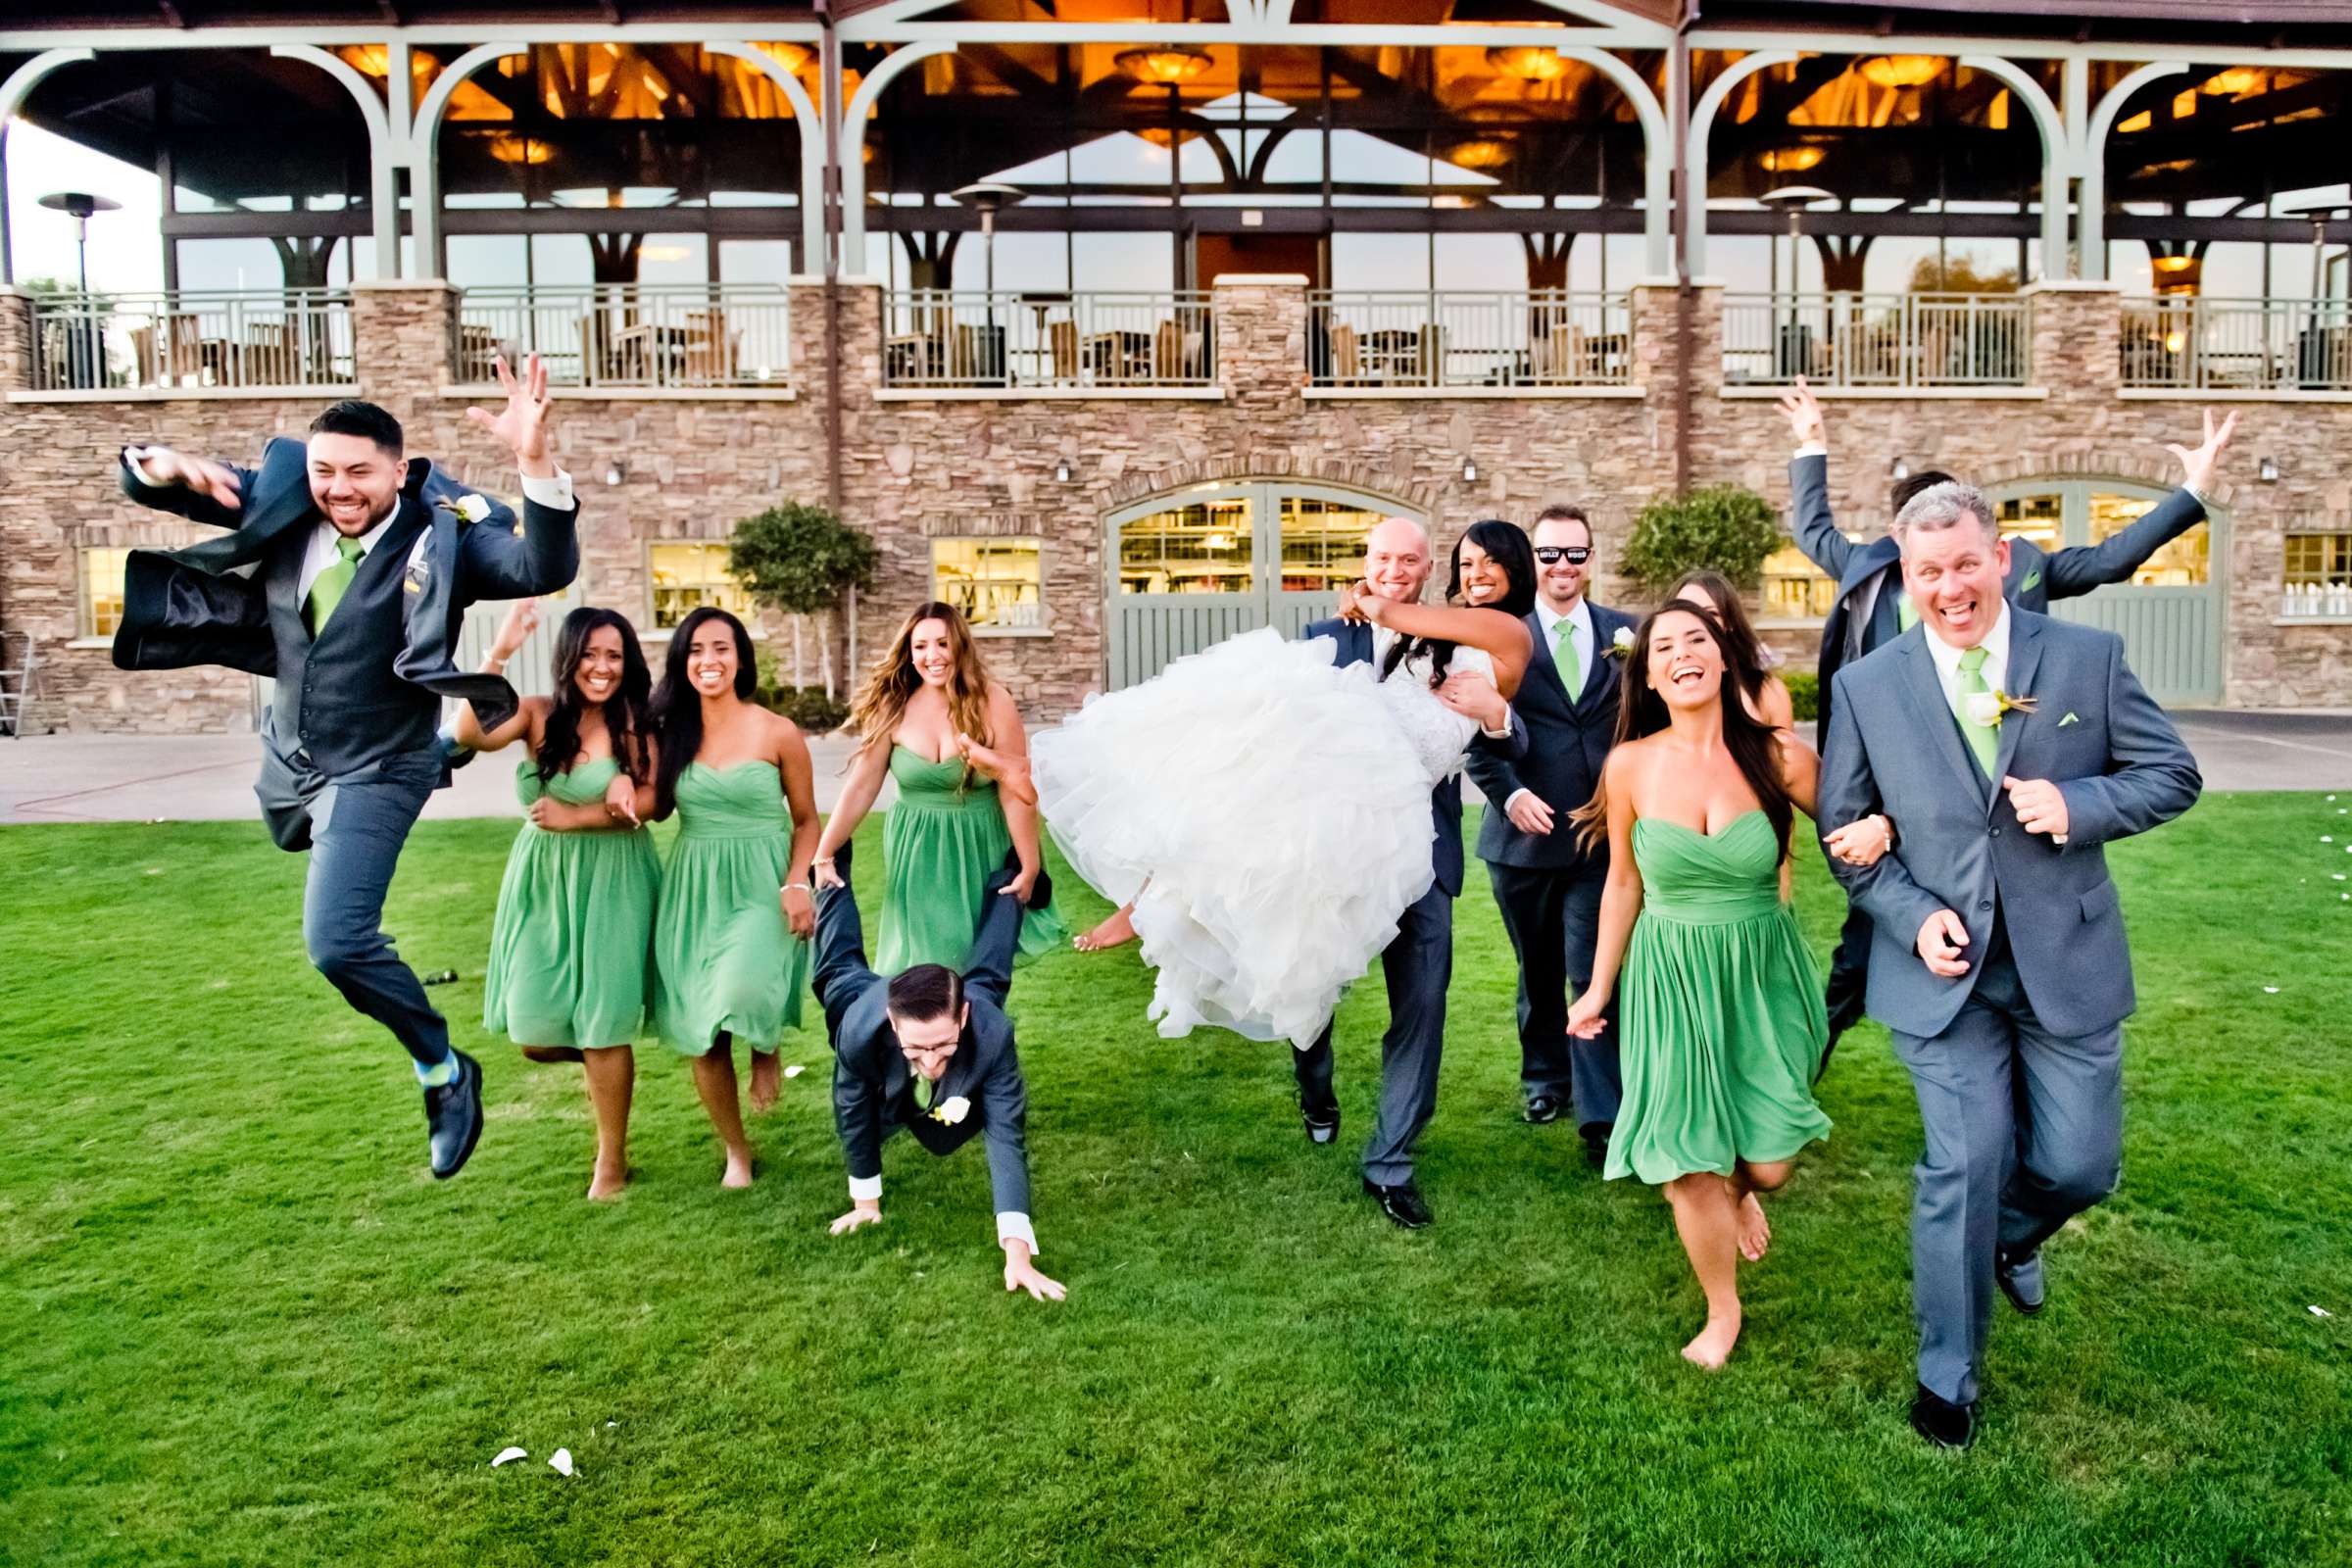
(931, 719)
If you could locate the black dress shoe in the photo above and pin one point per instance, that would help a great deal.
(2020, 1280)
(1543, 1108)
(1595, 1135)
(1322, 1121)
(453, 1117)
(1401, 1202)
(1941, 1422)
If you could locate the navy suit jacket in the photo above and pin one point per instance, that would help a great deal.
(1354, 638)
(1568, 740)
(2036, 575)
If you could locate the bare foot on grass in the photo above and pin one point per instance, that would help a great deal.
(607, 1182)
(1114, 932)
(767, 1079)
(1713, 1347)
(739, 1169)
(1755, 1230)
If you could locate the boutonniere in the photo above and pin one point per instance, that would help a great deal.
(2068, 719)
(1990, 708)
(1621, 645)
(469, 506)
(951, 1109)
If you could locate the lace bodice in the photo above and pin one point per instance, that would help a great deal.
(1439, 734)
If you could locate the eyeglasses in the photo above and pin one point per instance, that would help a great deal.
(1575, 555)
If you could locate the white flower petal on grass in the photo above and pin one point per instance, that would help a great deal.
(2321, 1312)
(795, 1070)
(561, 1464)
(2270, 991)
(508, 1455)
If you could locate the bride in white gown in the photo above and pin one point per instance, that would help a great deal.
(1266, 813)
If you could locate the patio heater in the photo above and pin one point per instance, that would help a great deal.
(2315, 365)
(87, 353)
(988, 198)
(1790, 355)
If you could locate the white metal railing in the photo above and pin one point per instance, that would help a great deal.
(1544, 337)
(2331, 600)
(675, 335)
(1887, 340)
(936, 338)
(191, 341)
(2267, 344)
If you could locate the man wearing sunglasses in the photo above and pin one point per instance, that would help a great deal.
(1548, 890)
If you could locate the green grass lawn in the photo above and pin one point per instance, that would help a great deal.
(239, 1324)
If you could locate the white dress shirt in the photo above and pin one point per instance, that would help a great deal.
(555, 494)
(1011, 1224)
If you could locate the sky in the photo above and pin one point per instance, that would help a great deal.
(125, 256)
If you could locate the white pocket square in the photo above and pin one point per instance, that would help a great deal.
(2068, 719)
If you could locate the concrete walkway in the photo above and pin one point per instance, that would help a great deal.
(136, 778)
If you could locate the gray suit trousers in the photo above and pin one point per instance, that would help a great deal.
(355, 826)
(2024, 1131)
(1418, 967)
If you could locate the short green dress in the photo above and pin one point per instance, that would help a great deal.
(1720, 1018)
(723, 957)
(944, 840)
(570, 951)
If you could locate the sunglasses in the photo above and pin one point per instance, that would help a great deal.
(1574, 555)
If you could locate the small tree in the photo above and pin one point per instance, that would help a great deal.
(1724, 526)
(804, 560)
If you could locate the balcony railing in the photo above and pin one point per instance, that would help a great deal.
(703, 336)
(1040, 342)
(191, 342)
(2253, 345)
(1878, 340)
(1449, 339)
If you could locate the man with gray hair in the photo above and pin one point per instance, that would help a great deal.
(2007, 748)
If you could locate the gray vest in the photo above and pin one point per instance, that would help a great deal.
(338, 701)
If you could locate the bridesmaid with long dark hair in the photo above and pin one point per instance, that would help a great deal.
(731, 939)
(570, 947)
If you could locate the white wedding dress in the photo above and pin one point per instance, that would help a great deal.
(1268, 816)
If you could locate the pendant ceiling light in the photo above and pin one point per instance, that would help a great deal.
(509, 148)
(1164, 64)
(1482, 152)
(1529, 62)
(1793, 159)
(1902, 71)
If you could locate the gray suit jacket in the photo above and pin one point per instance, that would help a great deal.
(1568, 738)
(1894, 746)
(873, 1087)
(1354, 638)
(194, 607)
(2036, 575)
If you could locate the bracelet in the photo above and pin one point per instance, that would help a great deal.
(796, 887)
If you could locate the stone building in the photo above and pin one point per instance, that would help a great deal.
(1183, 430)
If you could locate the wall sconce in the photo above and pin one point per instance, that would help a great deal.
(1469, 471)
(2267, 471)
(612, 473)
(1899, 471)
(1061, 471)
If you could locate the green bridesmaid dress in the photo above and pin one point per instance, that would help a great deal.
(944, 840)
(572, 947)
(1719, 1007)
(723, 957)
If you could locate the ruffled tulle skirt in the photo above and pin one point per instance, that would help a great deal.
(1266, 815)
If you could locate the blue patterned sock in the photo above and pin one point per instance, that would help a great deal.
(440, 1075)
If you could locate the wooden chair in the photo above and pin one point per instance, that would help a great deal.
(710, 348)
(1167, 352)
(1346, 357)
(1061, 341)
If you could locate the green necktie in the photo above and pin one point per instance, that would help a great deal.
(1982, 739)
(1563, 654)
(1906, 614)
(924, 1089)
(328, 589)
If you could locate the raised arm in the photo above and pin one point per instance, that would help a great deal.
(2120, 556)
(195, 488)
(1815, 529)
(869, 765)
(512, 632)
(540, 555)
(1500, 637)
(1620, 896)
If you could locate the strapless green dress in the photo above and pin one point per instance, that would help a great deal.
(570, 951)
(940, 847)
(723, 957)
(1720, 1019)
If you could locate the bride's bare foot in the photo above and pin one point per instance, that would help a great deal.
(1112, 933)
(607, 1182)
(552, 1053)
(1713, 1347)
(1755, 1230)
(739, 1168)
(767, 1079)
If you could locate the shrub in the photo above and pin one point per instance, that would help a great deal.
(1804, 693)
(805, 705)
(1723, 526)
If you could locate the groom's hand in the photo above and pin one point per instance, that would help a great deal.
(163, 467)
(865, 1213)
(1021, 1275)
(522, 425)
(2039, 804)
(1941, 942)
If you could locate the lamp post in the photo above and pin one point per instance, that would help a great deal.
(81, 205)
(988, 198)
(1789, 354)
